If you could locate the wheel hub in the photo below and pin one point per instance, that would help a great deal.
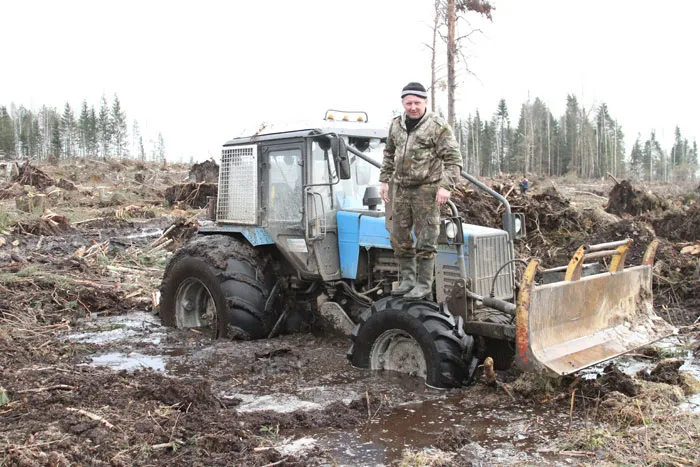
(193, 305)
(396, 350)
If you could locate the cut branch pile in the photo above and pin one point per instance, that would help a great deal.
(191, 194)
(47, 225)
(30, 175)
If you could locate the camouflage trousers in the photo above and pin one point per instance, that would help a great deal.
(414, 210)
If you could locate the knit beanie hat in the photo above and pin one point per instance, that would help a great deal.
(414, 89)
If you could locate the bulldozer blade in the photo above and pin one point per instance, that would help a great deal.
(573, 324)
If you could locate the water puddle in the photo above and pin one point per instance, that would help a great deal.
(137, 326)
(144, 233)
(283, 403)
(507, 433)
(129, 361)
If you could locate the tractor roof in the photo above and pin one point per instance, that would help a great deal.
(268, 132)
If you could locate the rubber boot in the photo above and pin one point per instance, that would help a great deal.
(424, 280)
(407, 266)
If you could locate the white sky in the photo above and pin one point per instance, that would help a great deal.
(200, 72)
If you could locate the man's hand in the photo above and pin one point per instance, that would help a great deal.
(442, 196)
(384, 192)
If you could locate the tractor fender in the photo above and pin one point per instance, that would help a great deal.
(255, 236)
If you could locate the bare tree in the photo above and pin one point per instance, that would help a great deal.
(484, 8)
(433, 49)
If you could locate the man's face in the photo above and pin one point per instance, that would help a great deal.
(414, 106)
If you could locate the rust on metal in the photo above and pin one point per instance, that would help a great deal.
(649, 255)
(523, 355)
(618, 261)
(573, 271)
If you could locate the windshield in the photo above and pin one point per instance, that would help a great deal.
(364, 174)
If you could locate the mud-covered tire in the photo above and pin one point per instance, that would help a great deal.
(422, 328)
(501, 351)
(223, 270)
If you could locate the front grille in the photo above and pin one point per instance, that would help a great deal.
(490, 253)
(450, 275)
(238, 185)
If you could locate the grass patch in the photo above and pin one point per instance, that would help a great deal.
(5, 219)
(668, 441)
(424, 458)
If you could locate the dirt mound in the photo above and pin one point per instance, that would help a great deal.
(191, 194)
(677, 281)
(682, 224)
(551, 211)
(66, 185)
(625, 199)
(180, 392)
(453, 439)
(30, 175)
(612, 381)
(665, 372)
(207, 171)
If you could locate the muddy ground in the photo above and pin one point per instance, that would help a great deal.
(89, 377)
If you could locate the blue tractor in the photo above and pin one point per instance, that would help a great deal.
(299, 234)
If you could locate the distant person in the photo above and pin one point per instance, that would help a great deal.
(422, 159)
(524, 185)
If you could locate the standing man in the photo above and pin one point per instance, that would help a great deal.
(524, 185)
(422, 159)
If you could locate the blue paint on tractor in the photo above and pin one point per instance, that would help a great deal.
(255, 235)
(373, 232)
(348, 243)
(354, 231)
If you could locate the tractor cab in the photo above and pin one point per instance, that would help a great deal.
(284, 185)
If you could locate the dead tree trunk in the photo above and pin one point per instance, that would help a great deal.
(451, 51)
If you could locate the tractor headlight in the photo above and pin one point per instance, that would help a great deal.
(451, 230)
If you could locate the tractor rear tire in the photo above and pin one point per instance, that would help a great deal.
(413, 337)
(222, 283)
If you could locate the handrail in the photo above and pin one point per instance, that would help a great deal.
(501, 199)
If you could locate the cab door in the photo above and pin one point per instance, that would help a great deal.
(283, 201)
(321, 226)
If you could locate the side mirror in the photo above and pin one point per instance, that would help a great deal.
(514, 224)
(340, 155)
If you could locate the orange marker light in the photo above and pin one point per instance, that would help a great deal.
(345, 118)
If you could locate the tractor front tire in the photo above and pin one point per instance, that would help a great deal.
(222, 283)
(415, 338)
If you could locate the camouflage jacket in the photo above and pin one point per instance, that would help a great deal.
(429, 154)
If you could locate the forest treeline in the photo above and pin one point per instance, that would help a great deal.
(587, 143)
(50, 134)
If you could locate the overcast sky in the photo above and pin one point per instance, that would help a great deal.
(201, 72)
